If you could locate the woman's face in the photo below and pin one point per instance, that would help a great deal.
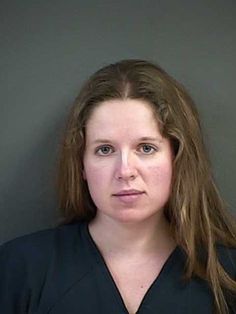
(127, 162)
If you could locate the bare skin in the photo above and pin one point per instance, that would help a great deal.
(134, 256)
(130, 230)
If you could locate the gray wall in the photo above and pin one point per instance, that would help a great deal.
(48, 48)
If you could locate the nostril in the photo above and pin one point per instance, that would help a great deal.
(132, 176)
(126, 174)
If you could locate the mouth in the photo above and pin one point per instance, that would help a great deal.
(128, 192)
(128, 196)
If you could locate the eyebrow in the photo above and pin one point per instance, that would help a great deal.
(141, 139)
(149, 138)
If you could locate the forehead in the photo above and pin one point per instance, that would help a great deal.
(130, 116)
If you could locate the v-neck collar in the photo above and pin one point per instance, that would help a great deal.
(98, 262)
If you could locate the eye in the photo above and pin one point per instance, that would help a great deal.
(104, 150)
(147, 149)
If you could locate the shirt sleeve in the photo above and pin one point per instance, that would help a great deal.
(23, 267)
(227, 258)
(14, 293)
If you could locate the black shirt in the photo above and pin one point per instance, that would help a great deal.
(61, 271)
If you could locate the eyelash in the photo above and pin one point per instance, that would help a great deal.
(101, 147)
(153, 149)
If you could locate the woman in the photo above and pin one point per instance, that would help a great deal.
(145, 230)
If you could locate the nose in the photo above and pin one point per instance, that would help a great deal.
(126, 167)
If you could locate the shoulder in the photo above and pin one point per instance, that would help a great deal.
(33, 253)
(227, 258)
(40, 242)
(29, 264)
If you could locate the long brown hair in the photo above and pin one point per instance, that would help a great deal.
(195, 210)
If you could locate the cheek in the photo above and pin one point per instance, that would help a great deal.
(98, 184)
(95, 176)
(161, 174)
(91, 175)
(92, 178)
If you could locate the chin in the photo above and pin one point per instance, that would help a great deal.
(132, 216)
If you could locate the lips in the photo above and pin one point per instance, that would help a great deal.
(128, 192)
(128, 197)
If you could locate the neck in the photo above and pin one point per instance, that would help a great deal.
(135, 238)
